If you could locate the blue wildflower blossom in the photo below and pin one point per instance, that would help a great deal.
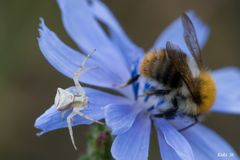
(117, 60)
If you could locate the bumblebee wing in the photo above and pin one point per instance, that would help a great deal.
(179, 61)
(191, 40)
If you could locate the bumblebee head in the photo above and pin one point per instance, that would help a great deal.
(150, 61)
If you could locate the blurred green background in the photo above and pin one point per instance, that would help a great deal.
(28, 83)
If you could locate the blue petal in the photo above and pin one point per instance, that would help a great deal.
(67, 60)
(167, 152)
(228, 93)
(129, 50)
(52, 119)
(174, 139)
(207, 145)
(83, 27)
(120, 117)
(134, 143)
(174, 33)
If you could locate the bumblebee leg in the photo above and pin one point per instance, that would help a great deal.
(130, 81)
(169, 113)
(192, 124)
(157, 92)
(79, 72)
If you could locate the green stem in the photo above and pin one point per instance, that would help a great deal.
(98, 144)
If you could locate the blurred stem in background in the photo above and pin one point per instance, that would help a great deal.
(98, 144)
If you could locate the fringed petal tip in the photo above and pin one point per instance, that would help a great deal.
(40, 133)
(50, 120)
(42, 27)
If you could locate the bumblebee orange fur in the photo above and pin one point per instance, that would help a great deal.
(207, 92)
(149, 59)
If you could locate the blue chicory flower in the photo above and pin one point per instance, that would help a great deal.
(117, 60)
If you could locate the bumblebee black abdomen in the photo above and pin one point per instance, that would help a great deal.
(157, 66)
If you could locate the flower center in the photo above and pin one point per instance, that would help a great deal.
(152, 104)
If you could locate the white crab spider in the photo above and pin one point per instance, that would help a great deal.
(65, 100)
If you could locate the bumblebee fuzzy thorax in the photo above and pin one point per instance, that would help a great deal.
(157, 66)
(207, 92)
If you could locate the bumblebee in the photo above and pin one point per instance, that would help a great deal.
(186, 82)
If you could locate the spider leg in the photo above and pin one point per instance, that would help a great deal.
(63, 114)
(69, 122)
(79, 72)
(78, 112)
